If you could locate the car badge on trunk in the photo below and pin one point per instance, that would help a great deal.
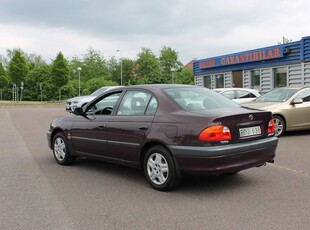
(251, 117)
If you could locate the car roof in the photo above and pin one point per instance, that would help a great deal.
(151, 87)
(162, 86)
(234, 88)
(154, 87)
(294, 87)
(226, 89)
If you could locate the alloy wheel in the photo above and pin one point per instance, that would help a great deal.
(59, 149)
(279, 126)
(157, 168)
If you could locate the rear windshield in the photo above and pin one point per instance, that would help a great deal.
(196, 98)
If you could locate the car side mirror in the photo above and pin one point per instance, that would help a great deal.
(79, 111)
(297, 101)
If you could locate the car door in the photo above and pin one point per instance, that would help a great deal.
(89, 132)
(299, 114)
(131, 124)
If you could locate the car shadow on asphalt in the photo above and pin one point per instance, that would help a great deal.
(111, 169)
(296, 133)
(212, 183)
(195, 183)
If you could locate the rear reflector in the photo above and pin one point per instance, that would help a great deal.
(215, 133)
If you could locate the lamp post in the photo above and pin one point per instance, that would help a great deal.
(79, 72)
(172, 72)
(121, 66)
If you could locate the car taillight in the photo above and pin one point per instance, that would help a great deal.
(271, 127)
(215, 133)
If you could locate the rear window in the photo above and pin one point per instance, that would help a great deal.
(197, 98)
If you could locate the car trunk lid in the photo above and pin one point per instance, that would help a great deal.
(244, 124)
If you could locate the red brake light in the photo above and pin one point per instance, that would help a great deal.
(215, 133)
(271, 127)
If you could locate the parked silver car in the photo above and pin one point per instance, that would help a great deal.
(80, 101)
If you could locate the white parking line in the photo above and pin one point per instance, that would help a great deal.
(290, 169)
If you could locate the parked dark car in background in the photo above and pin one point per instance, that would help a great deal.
(290, 107)
(166, 130)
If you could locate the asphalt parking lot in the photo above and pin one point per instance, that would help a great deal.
(37, 193)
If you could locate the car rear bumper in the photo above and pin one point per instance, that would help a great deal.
(224, 159)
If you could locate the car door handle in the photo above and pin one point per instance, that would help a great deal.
(102, 126)
(144, 127)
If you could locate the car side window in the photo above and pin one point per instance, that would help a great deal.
(244, 94)
(229, 94)
(305, 95)
(104, 106)
(152, 107)
(134, 103)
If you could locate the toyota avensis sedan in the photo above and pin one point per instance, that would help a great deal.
(166, 130)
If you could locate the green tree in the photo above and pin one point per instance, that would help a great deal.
(4, 60)
(169, 63)
(147, 68)
(70, 89)
(18, 69)
(184, 77)
(39, 75)
(4, 80)
(128, 74)
(114, 68)
(34, 60)
(60, 72)
(95, 83)
(93, 65)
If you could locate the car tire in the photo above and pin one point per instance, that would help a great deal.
(280, 125)
(160, 170)
(61, 150)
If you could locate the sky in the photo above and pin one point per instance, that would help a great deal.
(194, 28)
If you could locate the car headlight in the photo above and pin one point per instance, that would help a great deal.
(52, 125)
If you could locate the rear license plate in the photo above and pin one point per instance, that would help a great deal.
(251, 131)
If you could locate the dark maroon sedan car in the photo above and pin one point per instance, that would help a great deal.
(166, 130)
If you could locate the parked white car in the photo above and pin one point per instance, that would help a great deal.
(239, 95)
(80, 101)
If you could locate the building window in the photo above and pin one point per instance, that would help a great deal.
(280, 77)
(219, 78)
(255, 79)
(207, 81)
